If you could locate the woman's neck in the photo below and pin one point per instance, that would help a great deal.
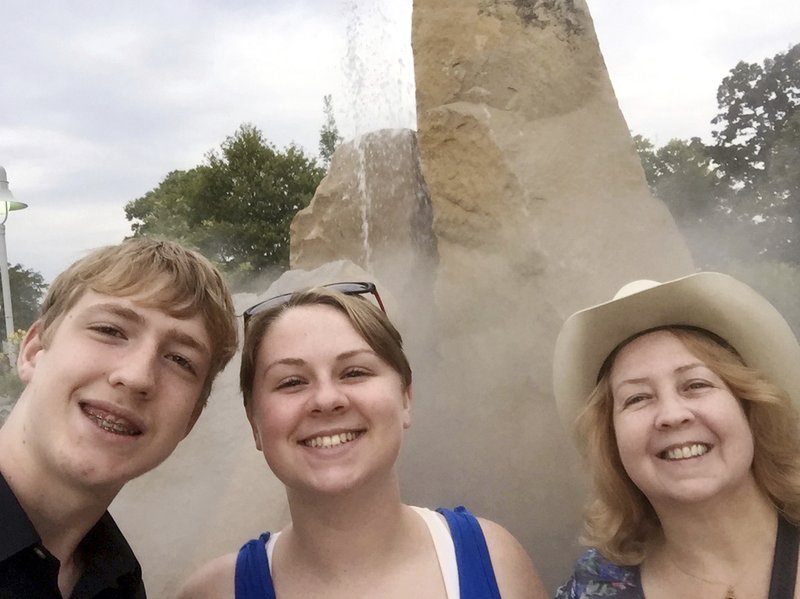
(712, 544)
(336, 533)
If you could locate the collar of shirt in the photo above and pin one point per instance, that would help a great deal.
(18, 532)
(109, 560)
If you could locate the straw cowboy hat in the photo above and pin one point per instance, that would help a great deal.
(708, 300)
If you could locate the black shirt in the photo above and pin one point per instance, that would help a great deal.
(29, 571)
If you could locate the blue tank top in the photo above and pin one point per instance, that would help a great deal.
(475, 572)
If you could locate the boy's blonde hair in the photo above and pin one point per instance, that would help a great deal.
(169, 276)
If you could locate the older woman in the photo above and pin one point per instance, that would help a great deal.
(682, 396)
(327, 391)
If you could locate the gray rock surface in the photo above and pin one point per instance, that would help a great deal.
(372, 209)
(540, 207)
(533, 205)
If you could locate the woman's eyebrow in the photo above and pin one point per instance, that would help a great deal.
(285, 362)
(644, 379)
(355, 352)
(686, 367)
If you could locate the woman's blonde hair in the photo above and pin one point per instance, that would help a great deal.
(619, 520)
(367, 319)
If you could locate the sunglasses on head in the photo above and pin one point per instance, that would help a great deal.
(346, 288)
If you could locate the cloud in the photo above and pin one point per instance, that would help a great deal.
(108, 98)
(101, 100)
(667, 58)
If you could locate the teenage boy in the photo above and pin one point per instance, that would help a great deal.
(117, 371)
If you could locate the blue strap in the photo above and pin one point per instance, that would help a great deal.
(252, 579)
(475, 572)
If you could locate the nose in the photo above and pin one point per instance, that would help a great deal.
(673, 410)
(328, 397)
(135, 369)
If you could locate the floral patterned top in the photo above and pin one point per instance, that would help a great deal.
(595, 576)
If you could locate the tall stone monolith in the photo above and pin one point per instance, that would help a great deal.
(540, 207)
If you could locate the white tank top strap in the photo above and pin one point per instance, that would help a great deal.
(442, 543)
(273, 537)
(445, 549)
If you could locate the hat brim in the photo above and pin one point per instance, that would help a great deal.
(712, 301)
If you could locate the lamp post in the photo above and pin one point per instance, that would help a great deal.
(7, 204)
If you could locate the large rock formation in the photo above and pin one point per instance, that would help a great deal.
(537, 207)
(372, 209)
(540, 207)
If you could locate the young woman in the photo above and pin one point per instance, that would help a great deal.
(683, 396)
(327, 390)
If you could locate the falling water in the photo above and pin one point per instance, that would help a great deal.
(378, 67)
(379, 82)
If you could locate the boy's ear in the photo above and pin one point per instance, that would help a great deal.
(29, 351)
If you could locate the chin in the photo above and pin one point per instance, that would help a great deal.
(112, 472)
(693, 494)
(327, 486)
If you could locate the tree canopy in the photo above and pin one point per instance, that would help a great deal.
(27, 292)
(329, 138)
(738, 198)
(236, 207)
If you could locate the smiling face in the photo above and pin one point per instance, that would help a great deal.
(682, 435)
(111, 391)
(327, 412)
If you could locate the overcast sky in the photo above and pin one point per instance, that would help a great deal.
(100, 100)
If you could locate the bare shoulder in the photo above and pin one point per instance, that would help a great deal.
(516, 575)
(213, 580)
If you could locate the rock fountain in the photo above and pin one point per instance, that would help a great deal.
(519, 199)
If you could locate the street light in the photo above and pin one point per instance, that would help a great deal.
(7, 204)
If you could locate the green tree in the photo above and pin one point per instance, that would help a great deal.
(329, 138)
(167, 211)
(683, 176)
(755, 105)
(647, 156)
(27, 292)
(756, 149)
(236, 208)
(738, 199)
